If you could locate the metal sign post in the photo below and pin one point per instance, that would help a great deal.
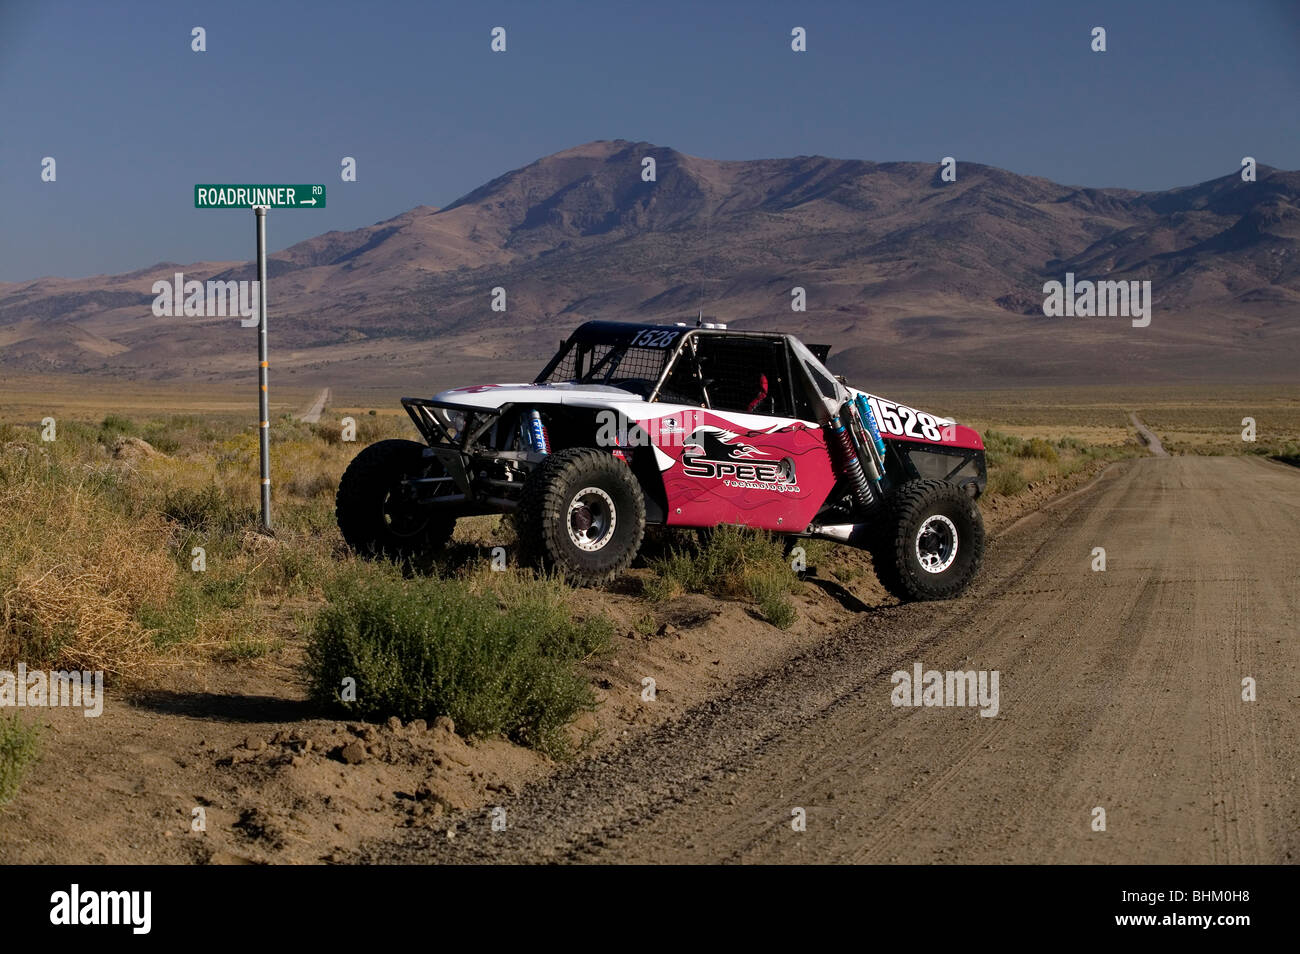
(263, 403)
(261, 199)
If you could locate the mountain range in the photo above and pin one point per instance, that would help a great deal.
(906, 276)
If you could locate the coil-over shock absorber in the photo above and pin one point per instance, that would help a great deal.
(532, 432)
(848, 465)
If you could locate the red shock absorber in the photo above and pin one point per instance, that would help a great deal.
(850, 468)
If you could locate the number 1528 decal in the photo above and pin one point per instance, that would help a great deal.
(903, 421)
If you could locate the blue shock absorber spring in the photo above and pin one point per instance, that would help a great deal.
(850, 466)
(869, 419)
(537, 432)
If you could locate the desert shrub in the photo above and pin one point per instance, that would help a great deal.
(731, 563)
(313, 484)
(331, 432)
(1037, 448)
(160, 436)
(816, 551)
(18, 747)
(1005, 482)
(370, 428)
(770, 589)
(15, 433)
(114, 426)
(497, 661)
(208, 509)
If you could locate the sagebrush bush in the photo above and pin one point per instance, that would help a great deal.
(1005, 483)
(770, 589)
(114, 426)
(1038, 448)
(497, 660)
(18, 747)
(207, 509)
(732, 563)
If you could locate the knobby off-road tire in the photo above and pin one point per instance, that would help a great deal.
(932, 542)
(375, 519)
(582, 515)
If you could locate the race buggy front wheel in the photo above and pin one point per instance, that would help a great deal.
(582, 514)
(378, 514)
(932, 543)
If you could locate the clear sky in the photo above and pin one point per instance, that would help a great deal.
(412, 90)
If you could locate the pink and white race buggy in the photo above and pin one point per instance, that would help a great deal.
(682, 426)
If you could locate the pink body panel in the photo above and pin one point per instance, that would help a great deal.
(954, 435)
(773, 478)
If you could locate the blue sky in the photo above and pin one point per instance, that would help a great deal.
(134, 118)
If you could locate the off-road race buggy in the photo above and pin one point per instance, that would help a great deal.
(682, 426)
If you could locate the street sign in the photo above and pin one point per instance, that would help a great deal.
(260, 198)
(253, 196)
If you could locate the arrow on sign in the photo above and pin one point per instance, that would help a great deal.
(307, 202)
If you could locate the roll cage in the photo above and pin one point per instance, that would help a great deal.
(712, 368)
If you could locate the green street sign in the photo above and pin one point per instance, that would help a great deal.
(252, 196)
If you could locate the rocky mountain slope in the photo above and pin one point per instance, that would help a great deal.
(907, 276)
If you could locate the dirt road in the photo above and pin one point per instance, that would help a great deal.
(1148, 437)
(1119, 689)
(313, 413)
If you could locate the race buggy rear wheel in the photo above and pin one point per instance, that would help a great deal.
(582, 514)
(379, 518)
(932, 544)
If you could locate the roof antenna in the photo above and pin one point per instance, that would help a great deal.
(699, 322)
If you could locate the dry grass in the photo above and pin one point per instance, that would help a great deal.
(1016, 464)
(96, 552)
(1219, 428)
(73, 578)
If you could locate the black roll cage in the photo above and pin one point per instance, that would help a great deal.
(456, 452)
(621, 336)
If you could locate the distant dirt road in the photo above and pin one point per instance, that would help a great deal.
(313, 413)
(1119, 690)
(1148, 436)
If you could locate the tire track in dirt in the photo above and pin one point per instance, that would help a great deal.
(1120, 689)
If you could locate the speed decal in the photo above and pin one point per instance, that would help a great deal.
(900, 420)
